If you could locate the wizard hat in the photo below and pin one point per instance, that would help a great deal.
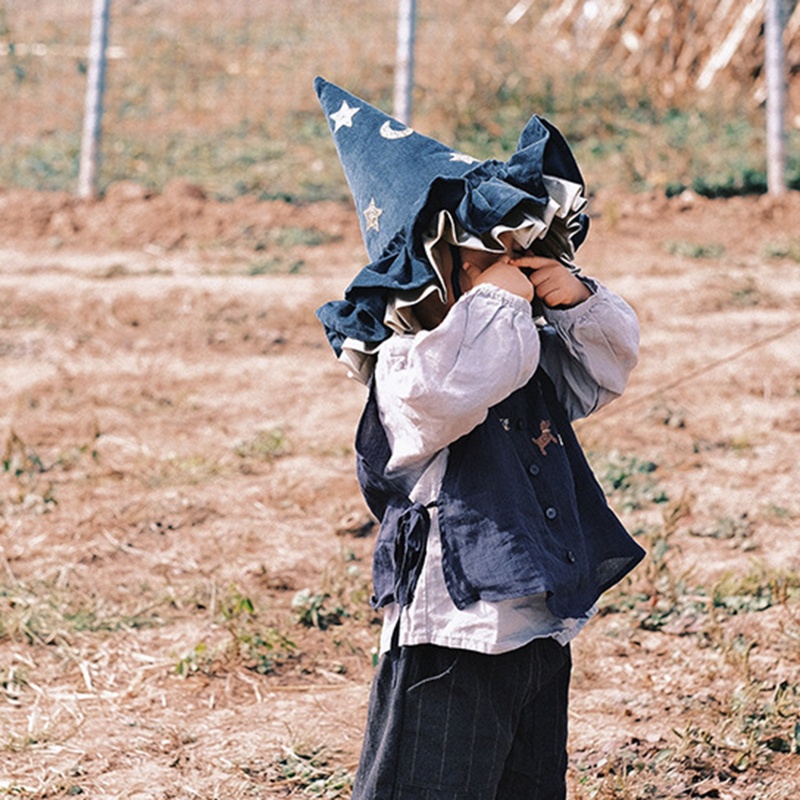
(401, 181)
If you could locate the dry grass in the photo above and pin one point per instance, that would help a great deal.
(184, 556)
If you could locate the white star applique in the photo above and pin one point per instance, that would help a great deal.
(344, 116)
(371, 214)
(463, 158)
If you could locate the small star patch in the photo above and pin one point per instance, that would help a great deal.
(343, 118)
(372, 213)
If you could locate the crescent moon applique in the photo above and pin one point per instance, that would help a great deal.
(388, 132)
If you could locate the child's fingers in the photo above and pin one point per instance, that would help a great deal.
(472, 274)
(471, 270)
(501, 274)
(550, 292)
(539, 276)
(555, 285)
(534, 262)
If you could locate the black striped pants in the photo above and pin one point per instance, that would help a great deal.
(457, 725)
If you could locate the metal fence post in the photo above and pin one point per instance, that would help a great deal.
(776, 97)
(93, 113)
(404, 67)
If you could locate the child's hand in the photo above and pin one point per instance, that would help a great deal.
(502, 274)
(553, 283)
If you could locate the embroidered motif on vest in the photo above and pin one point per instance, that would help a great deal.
(545, 438)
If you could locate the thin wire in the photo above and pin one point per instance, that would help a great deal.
(618, 409)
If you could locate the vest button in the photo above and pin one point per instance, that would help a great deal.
(520, 424)
(551, 513)
(534, 469)
(570, 556)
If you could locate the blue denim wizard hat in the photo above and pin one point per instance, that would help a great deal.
(401, 180)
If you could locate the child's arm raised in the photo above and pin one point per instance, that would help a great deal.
(592, 351)
(436, 386)
(597, 341)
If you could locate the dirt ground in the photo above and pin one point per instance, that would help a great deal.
(184, 553)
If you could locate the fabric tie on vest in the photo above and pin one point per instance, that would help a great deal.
(413, 526)
(400, 551)
(402, 540)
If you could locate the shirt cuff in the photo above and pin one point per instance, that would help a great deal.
(501, 296)
(565, 316)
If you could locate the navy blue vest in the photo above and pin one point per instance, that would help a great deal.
(520, 511)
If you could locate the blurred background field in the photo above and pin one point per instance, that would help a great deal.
(653, 95)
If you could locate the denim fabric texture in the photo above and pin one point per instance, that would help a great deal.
(448, 724)
(400, 180)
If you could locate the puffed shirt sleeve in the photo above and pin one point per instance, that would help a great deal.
(589, 350)
(435, 386)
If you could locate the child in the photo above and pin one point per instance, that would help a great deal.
(495, 538)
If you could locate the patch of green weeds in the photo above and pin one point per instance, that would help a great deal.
(184, 470)
(250, 643)
(196, 660)
(275, 265)
(343, 593)
(97, 619)
(666, 595)
(665, 599)
(20, 460)
(314, 610)
(775, 514)
(755, 721)
(745, 294)
(266, 445)
(686, 249)
(115, 271)
(259, 647)
(295, 236)
(25, 487)
(310, 771)
(669, 415)
(755, 591)
(759, 719)
(658, 597)
(629, 480)
(748, 181)
(49, 164)
(628, 774)
(788, 249)
(46, 614)
(737, 529)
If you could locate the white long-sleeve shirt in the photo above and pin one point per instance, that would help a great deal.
(436, 386)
